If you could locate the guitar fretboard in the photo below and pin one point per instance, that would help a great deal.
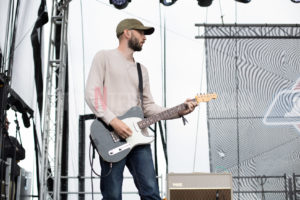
(161, 116)
(170, 113)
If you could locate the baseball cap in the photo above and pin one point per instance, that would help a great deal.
(133, 24)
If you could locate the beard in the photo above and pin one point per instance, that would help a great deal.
(134, 44)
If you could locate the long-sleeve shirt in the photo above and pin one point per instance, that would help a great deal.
(112, 86)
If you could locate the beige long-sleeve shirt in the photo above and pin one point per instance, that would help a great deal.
(112, 86)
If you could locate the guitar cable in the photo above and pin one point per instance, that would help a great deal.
(92, 169)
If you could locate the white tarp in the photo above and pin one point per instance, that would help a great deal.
(22, 80)
(22, 66)
(3, 22)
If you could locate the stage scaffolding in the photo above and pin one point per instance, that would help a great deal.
(54, 102)
(248, 31)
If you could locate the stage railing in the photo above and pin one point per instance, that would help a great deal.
(279, 187)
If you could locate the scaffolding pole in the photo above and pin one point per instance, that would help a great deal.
(54, 102)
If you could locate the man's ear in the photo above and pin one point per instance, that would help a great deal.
(127, 33)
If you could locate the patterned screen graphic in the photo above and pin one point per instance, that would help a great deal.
(253, 124)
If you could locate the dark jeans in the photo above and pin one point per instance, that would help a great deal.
(140, 164)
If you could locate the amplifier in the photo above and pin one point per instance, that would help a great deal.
(199, 186)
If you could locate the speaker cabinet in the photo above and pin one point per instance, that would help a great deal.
(199, 186)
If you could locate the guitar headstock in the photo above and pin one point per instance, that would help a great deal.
(205, 97)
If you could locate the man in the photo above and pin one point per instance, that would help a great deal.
(14, 150)
(114, 74)
(12, 147)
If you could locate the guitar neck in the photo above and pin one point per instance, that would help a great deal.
(170, 113)
(167, 114)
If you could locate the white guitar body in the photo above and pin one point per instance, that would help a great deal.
(138, 136)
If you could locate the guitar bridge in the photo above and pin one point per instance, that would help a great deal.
(114, 136)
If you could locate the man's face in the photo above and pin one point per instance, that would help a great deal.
(137, 40)
(6, 124)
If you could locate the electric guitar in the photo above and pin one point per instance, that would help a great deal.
(112, 148)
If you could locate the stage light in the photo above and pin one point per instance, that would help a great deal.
(119, 4)
(167, 3)
(296, 1)
(204, 3)
(243, 1)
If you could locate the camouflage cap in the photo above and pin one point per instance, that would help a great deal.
(133, 24)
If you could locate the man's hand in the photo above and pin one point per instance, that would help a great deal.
(190, 107)
(120, 128)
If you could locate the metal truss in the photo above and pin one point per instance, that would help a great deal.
(248, 31)
(54, 102)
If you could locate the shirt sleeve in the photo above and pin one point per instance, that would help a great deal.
(95, 92)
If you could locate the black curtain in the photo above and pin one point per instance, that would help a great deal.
(36, 38)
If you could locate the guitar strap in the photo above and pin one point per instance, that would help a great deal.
(140, 82)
